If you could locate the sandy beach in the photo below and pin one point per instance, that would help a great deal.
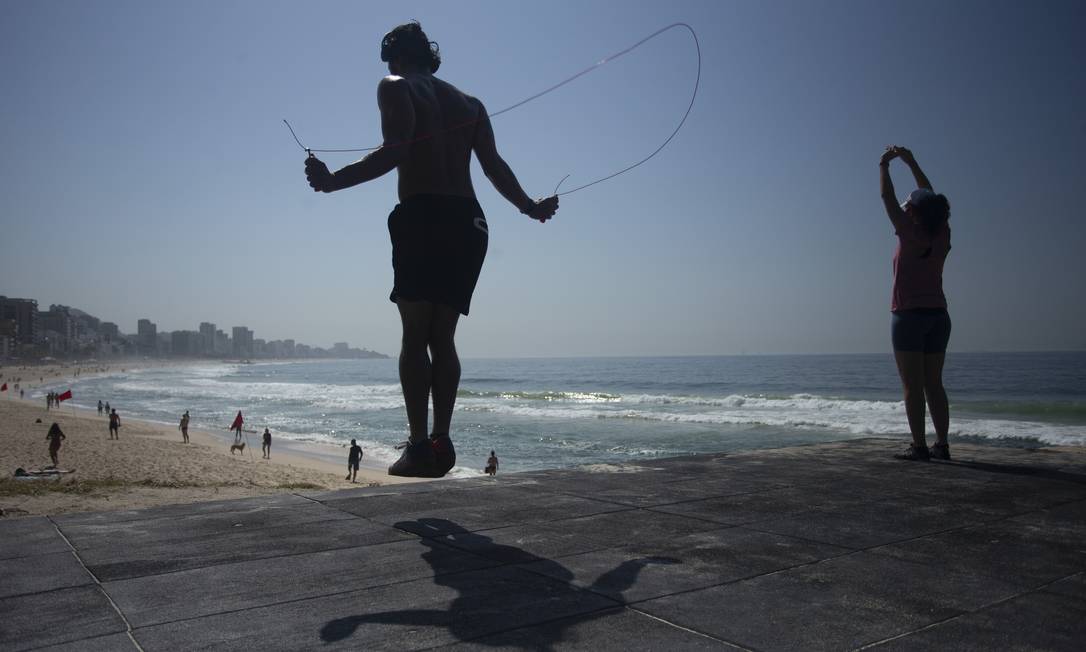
(149, 465)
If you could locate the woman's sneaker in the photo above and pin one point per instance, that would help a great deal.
(444, 454)
(915, 454)
(941, 452)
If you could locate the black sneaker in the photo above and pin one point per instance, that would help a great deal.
(444, 454)
(417, 461)
(941, 452)
(915, 454)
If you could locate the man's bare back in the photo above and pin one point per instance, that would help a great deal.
(440, 146)
(430, 129)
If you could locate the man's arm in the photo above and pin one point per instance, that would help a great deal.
(918, 174)
(397, 127)
(501, 175)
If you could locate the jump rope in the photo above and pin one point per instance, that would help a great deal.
(601, 62)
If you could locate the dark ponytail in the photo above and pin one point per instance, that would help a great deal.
(934, 212)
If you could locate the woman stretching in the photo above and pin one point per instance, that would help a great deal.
(920, 325)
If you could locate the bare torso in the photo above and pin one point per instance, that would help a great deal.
(439, 155)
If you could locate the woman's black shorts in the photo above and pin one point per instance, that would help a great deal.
(924, 330)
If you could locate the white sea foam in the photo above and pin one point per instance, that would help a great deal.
(332, 397)
(611, 424)
(802, 411)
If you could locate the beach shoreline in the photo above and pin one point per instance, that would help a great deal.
(149, 465)
(320, 456)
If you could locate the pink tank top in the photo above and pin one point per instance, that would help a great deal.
(918, 269)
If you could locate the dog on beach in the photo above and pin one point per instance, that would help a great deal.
(239, 447)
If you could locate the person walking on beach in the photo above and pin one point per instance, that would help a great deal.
(491, 464)
(354, 460)
(267, 444)
(184, 426)
(236, 427)
(99, 408)
(920, 323)
(439, 232)
(114, 425)
(54, 436)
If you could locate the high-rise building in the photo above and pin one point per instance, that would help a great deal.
(24, 312)
(186, 344)
(7, 337)
(109, 331)
(207, 336)
(56, 325)
(243, 342)
(147, 333)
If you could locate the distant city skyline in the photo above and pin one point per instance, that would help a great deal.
(151, 173)
(27, 333)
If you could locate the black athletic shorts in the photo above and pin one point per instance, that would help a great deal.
(438, 246)
(924, 330)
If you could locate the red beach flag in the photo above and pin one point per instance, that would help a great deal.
(65, 396)
(237, 422)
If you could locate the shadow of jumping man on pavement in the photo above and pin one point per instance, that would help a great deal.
(492, 593)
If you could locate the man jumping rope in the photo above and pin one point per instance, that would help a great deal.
(439, 233)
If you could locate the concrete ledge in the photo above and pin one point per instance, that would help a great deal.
(829, 546)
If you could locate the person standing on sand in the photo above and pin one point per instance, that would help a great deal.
(439, 232)
(54, 436)
(114, 425)
(491, 464)
(354, 460)
(99, 408)
(236, 427)
(267, 444)
(184, 426)
(920, 325)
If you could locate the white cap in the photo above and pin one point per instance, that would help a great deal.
(917, 196)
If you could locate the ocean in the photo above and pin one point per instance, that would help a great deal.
(553, 413)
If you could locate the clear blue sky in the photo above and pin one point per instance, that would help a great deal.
(147, 173)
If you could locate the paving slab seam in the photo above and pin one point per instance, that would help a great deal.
(933, 625)
(332, 593)
(694, 631)
(248, 559)
(532, 625)
(362, 590)
(1037, 589)
(612, 501)
(216, 535)
(630, 604)
(628, 508)
(47, 591)
(703, 519)
(888, 543)
(994, 521)
(499, 564)
(109, 598)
